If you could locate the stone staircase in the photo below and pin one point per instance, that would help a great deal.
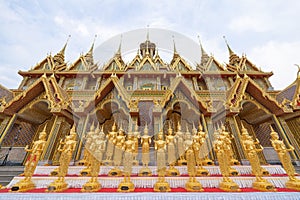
(8, 172)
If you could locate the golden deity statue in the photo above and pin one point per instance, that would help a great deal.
(223, 131)
(31, 163)
(170, 141)
(67, 151)
(204, 151)
(282, 152)
(118, 153)
(227, 140)
(97, 149)
(145, 141)
(221, 148)
(88, 140)
(251, 154)
(110, 145)
(137, 136)
(87, 156)
(180, 145)
(192, 185)
(197, 141)
(126, 185)
(160, 146)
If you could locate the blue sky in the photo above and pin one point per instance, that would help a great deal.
(268, 32)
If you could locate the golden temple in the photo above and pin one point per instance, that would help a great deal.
(185, 113)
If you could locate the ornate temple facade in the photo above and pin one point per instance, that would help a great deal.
(148, 91)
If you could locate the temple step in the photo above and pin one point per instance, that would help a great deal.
(7, 173)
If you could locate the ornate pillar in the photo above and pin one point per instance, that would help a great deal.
(284, 133)
(237, 138)
(50, 144)
(80, 129)
(6, 126)
(208, 127)
(195, 83)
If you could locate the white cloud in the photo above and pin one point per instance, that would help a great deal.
(280, 58)
(250, 23)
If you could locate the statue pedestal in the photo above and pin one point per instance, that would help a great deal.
(263, 185)
(207, 161)
(135, 163)
(58, 185)
(54, 172)
(145, 171)
(172, 171)
(91, 186)
(293, 184)
(161, 185)
(23, 186)
(202, 172)
(233, 172)
(229, 186)
(115, 172)
(193, 185)
(182, 162)
(85, 172)
(126, 186)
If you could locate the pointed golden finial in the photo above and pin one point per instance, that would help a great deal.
(178, 126)
(229, 49)
(73, 129)
(174, 46)
(60, 56)
(146, 130)
(89, 54)
(97, 130)
(147, 33)
(114, 128)
(200, 127)
(120, 45)
(92, 128)
(204, 55)
(102, 129)
(44, 129)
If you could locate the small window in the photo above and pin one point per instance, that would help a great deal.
(129, 87)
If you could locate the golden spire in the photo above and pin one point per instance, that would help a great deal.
(204, 55)
(120, 46)
(146, 130)
(60, 56)
(178, 127)
(200, 127)
(89, 55)
(174, 46)
(147, 33)
(233, 58)
(298, 73)
(97, 128)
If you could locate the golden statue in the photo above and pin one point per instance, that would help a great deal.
(282, 152)
(227, 142)
(170, 141)
(221, 148)
(197, 142)
(97, 148)
(251, 154)
(88, 141)
(145, 141)
(31, 163)
(88, 157)
(192, 185)
(137, 136)
(110, 145)
(180, 145)
(233, 161)
(160, 146)
(118, 154)
(203, 151)
(126, 185)
(67, 151)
